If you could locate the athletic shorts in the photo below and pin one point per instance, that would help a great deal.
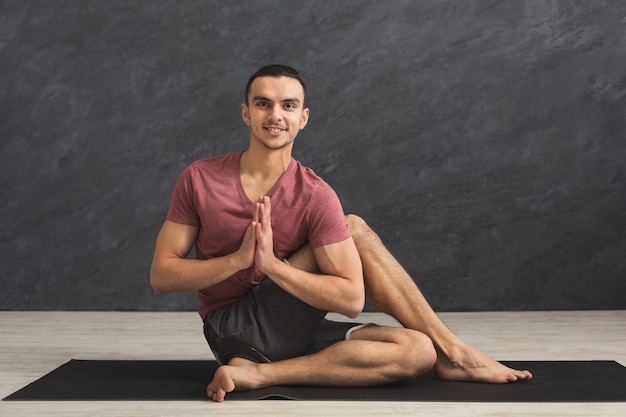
(269, 325)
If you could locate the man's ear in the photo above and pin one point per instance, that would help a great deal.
(305, 118)
(245, 113)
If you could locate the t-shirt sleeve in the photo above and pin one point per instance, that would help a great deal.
(327, 221)
(182, 207)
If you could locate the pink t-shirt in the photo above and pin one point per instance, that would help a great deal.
(209, 195)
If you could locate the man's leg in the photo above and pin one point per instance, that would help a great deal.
(390, 289)
(374, 355)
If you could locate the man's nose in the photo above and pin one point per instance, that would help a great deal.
(276, 113)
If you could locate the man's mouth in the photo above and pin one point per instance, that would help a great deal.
(273, 129)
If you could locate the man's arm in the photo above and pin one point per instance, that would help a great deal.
(172, 271)
(338, 288)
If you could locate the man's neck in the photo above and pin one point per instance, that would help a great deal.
(265, 164)
(260, 170)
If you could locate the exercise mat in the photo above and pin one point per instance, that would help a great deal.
(122, 380)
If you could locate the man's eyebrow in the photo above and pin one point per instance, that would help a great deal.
(286, 100)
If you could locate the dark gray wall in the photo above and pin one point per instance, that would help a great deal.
(485, 141)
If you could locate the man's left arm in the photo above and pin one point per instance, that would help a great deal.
(338, 287)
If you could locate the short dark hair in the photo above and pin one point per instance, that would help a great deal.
(276, 70)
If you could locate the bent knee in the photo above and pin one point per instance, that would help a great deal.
(418, 355)
(355, 222)
(358, 226)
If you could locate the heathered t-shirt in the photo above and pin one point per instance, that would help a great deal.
(209, 195)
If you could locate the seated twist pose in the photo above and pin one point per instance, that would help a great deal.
(275, 253)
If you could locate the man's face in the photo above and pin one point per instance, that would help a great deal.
(275, 111)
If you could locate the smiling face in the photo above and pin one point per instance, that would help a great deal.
(275, 111)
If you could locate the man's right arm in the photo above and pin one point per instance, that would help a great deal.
(172, 271)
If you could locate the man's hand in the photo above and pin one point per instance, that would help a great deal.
(262, 222)
(257, 247)
(247, 249)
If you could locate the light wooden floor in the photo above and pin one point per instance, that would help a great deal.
(34, 343)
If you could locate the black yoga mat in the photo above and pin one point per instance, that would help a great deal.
(559, 381)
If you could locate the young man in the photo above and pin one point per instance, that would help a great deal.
(275, 253)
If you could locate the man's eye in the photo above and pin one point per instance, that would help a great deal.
(290, 106)
(261, 104)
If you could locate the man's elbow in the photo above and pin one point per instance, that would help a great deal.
(355, 308)
(158, 284)
(353, 313)
(356, 300)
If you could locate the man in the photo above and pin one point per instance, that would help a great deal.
(275, 253)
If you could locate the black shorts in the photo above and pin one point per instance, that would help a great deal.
(269, 325)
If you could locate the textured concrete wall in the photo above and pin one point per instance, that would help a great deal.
(484, 141)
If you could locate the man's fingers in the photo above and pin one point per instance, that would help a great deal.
(265, 210)
(266, 202)
(255, 216)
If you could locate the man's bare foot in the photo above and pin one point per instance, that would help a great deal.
(240, 374)
(466, 363)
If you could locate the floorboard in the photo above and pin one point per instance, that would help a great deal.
(34, 343)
